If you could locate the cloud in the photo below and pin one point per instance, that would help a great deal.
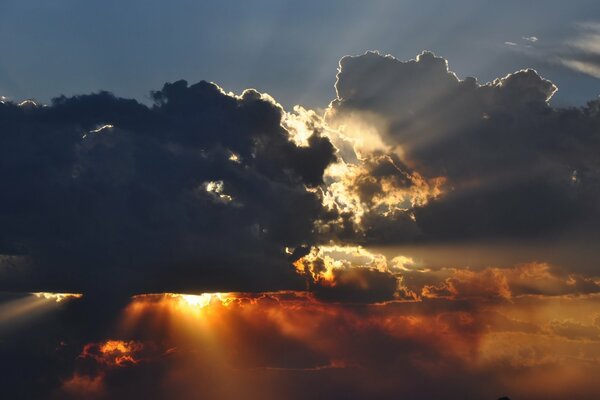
(574, 330)
(206, 190)
(586, 67)
(581, 52)
(499, 284)
(357, 275)
(202, 190)
(287, 344)
(348, 274)
(507, 163)
(480, 341)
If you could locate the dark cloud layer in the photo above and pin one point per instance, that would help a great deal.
(204, 190)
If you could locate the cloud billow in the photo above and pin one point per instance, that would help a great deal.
(201, 191)
(204, 191)
(513, 165)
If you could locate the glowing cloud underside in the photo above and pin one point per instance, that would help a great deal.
(260, 341)
(191, 300)
(57, 297)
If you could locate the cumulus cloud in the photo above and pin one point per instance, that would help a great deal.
(348, 274)
(507, 163)
(356, 275)
(214, 187)
(202, 190)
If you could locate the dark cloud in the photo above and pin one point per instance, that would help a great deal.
(340, 276)
(513, 165)
(202, 191)
(356, 285)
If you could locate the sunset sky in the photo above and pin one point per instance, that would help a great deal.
(300, 200)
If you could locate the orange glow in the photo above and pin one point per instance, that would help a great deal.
(121, 352)
(83, 386)
(113, 353)
(189, 303)
(212, 339)
(202, 300)
(57, 297)
(321, 263)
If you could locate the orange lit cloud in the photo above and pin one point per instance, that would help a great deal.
(113, 352)
(288, 344)
(532, 279)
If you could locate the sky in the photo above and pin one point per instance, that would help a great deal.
(289, 49)
(275, 200)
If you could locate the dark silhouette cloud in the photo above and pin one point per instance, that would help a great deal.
(202, 191)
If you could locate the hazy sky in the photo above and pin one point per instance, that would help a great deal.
(289, 49)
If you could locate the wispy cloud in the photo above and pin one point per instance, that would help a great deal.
(585, 67)
(582, 52)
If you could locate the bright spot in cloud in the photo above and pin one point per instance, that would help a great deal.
(101, 128)
(217, 190)
(235, 158)
(201, 300)
(25, 103)
(57, 297)
(192, 301)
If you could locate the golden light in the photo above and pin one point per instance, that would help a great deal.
(57, 297)
(27, 307)
(235, 158)
(202, 300)
(320, 264)
(186, 303)
(217, 190)
(119, 353)
(111, 346)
